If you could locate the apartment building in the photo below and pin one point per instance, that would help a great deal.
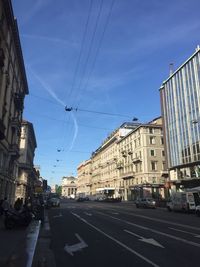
(180, 103)
(13, 88)
(26, 173)
(103, 165)
(84, 178)
(141, 162)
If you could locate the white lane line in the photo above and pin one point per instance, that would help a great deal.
(146, 240)
(155, 231)
(46, 223)
(32, 241)
(163, 221)
(178, 230)
(117, 241)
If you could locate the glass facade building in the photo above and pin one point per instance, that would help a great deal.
(180, 104)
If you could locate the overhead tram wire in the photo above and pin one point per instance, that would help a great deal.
(99, 112)
(78, 61)
(91, 44)
(81, 50)
(99, 47)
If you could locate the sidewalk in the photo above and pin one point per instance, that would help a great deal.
(17, 246)
(44, 257)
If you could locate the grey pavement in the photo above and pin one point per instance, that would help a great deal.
(17, 245)
(44, 256)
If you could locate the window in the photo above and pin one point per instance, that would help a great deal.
(153, 166)
(162, 141)
(151, 130)
(163, 153)
(163, 166)
(152, 140)
(152, 152)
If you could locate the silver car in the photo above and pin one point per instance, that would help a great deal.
(145, 203)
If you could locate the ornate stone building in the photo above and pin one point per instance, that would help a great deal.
(26, 174)
(69, 187)
(13, 88)
(129, 163)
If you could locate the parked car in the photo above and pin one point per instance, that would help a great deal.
(54, 202)
(145, 203)
(197, 210)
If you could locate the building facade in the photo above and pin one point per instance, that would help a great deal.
(26, 174)
(130, 163)
(69, 187)
(141, 162)
(180, 103)
(13, 88)
(84, 179)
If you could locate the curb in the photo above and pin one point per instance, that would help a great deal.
(44, 256)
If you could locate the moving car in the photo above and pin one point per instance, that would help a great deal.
(145, 203)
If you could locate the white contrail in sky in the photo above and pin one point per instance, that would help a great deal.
(46, 87)
(55, 97)
(75, 131)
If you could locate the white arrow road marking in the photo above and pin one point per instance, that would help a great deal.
(88, 214)
(75, 247)
(178, 230)
(117, 241)
(115, 213)
(146, 240)
(154, 231)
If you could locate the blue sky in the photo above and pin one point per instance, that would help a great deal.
(102, 55)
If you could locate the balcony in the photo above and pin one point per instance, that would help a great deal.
(2, 130)
(136, 160)
(127, 175)
(14, 150)
(120, 166)
(164, 173)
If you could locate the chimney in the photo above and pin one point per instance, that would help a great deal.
(171, 68)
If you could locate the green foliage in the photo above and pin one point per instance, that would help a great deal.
(59, 190)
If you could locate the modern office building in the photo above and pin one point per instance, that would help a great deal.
(180, 103)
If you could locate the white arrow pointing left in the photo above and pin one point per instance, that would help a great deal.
(75, 247)
(146, 240)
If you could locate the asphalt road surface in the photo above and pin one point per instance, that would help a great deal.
(118, 234)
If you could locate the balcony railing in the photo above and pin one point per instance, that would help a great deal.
(14, 150)
(15, 122)
(127, 175)
(120, 166)
(136, 160)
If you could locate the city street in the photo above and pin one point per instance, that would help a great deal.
(118, 234)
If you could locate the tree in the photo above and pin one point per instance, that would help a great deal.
(59, 190)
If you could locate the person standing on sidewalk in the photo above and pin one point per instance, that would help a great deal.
(5, 205)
